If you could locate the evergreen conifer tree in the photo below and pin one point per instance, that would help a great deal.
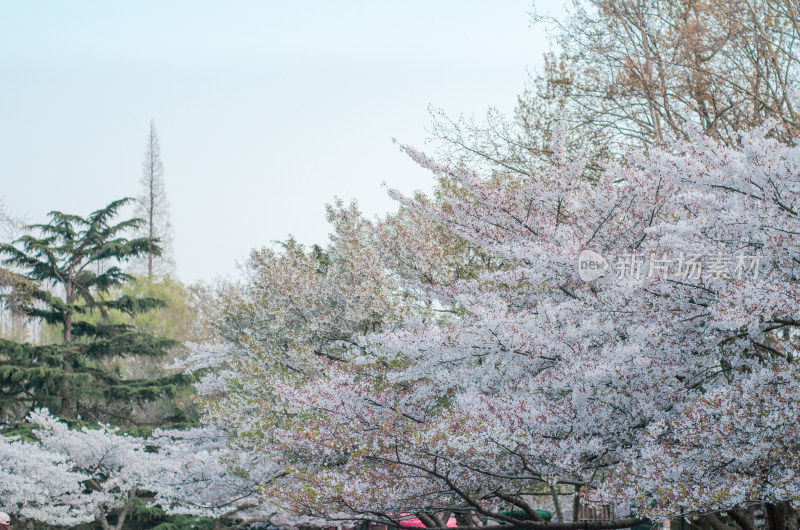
(77, 377)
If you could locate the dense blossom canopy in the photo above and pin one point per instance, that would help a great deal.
(456, 357)
(667, 383)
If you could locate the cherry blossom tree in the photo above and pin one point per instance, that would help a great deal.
(298, 312)
(70, 477)
(39, 485)
(116, 466)
(667, 383)
(199, 474)
(94, 475)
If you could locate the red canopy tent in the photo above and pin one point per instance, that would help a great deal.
(415, 522)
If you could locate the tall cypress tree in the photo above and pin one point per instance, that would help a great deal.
(56, 260)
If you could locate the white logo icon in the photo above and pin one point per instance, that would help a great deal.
(591, 265)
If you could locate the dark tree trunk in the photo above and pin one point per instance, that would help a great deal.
(64, 387)
(777, 515)
(67, 328)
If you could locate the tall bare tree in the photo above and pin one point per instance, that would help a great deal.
(14, 324)
(646, 69)
(630, 73)
(153, 207)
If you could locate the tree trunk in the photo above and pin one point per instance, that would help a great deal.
(557, 504)
(777, 515)
(66, 398)
(427, 520)
(463, 519)
(744, 518)
(124, 513)
(67, 327)
(64, 387)
(576, 503)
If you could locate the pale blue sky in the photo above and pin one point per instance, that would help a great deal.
(265, 110)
